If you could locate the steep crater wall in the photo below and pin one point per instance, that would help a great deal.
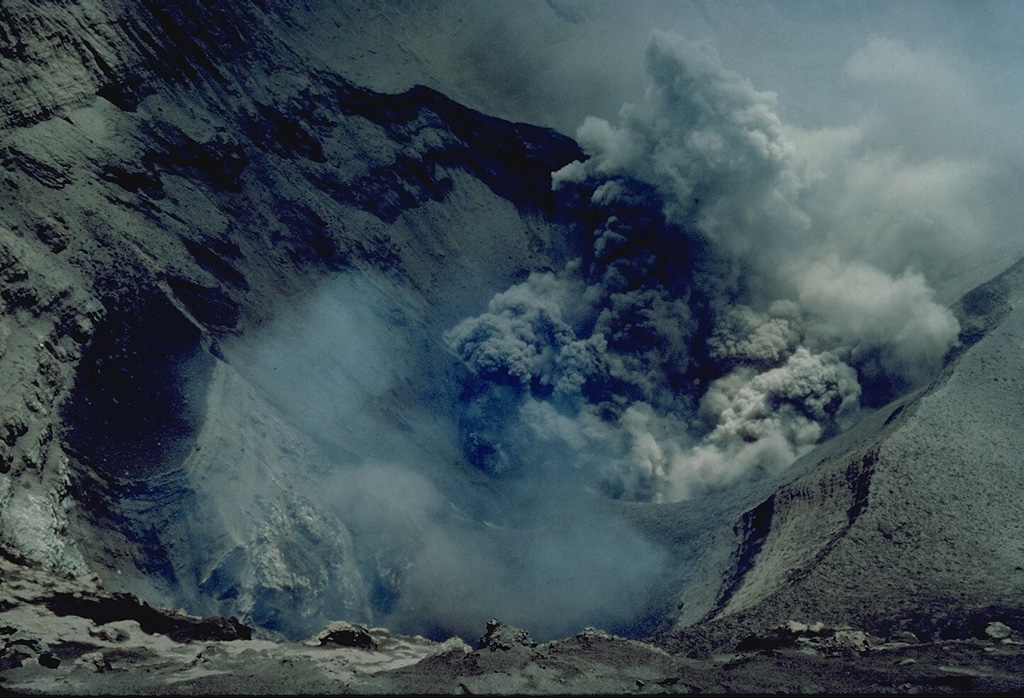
(174, 179)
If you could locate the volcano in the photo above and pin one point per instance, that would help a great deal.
(345, 351)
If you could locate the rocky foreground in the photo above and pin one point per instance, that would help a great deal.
(60, 640)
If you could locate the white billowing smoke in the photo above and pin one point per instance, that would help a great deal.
(724, 321)
(766, 420)
(858, 310)
(922, 179)
(708, 142)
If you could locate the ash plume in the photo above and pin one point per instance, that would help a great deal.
(715, 330)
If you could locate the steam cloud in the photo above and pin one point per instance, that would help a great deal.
(430, 547)
(715, 331)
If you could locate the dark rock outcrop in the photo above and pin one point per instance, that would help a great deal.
(501, 637)
(179, 627)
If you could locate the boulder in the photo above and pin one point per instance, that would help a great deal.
(344, 634)
(499, 636)
(997, 631)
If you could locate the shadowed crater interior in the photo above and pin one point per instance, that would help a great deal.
(135, 407)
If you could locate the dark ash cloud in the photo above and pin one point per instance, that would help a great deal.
(717, 329)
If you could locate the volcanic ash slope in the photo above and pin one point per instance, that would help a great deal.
(912, 519)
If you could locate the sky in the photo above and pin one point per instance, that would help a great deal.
(801, 50)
